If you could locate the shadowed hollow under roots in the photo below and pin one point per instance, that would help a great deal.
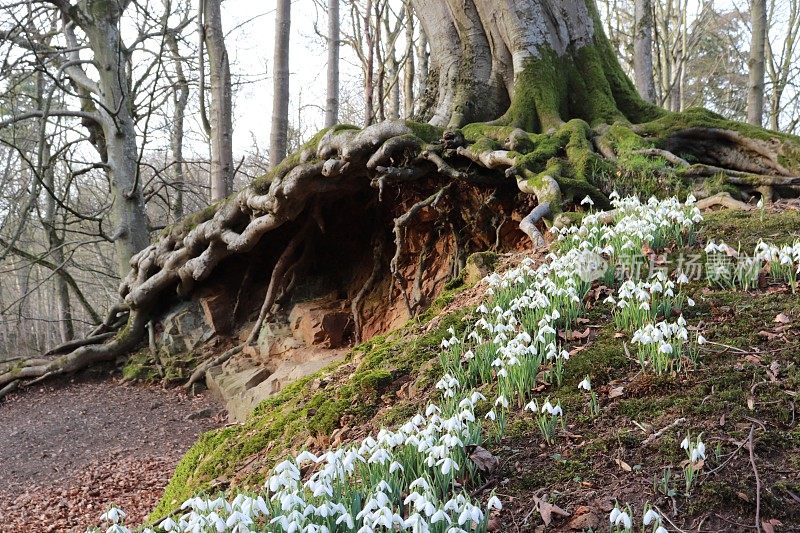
(557, 168)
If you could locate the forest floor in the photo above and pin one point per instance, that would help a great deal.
(71, 448)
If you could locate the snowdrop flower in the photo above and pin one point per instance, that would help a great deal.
(661, 529)
(113, 515)
(699, 452)
(760, 203)
(491, 415)
(585, 384)
(168, 524)
(306, 457)
(587, 201)
(685, 443)
(651, 517)
(701, 340)
(494, 503)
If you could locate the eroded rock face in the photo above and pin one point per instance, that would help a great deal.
(315, 334)
(322, 322)
(184, 329)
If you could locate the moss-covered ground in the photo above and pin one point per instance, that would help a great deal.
(383, 381)
(748, 376)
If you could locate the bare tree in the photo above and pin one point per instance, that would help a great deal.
(221, 100)
(180, 99)
(332, 100)
(643, 49)
(280, 95)
(755, 88)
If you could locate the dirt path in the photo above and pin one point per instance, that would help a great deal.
(69, 450)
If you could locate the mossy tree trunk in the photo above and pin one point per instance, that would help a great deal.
(521, 92)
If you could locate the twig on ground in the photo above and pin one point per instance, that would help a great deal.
(751, 446)
(660, 432)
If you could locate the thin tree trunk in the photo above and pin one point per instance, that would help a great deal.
(56, 245)
(280, 95)
(180, 100)
(422, 65)
(408, 67)
(369, 83)
(221, 106)
(643, 49)
(755, 87)
(332, 102)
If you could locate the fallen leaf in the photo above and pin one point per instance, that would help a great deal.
(722, 420)
(754, 359)
(767, 334)
(585, 519)
(623, 465)
(767, 527)
(616, 392)
(774, 370)
(484, 460)
(618, 335)
(577, 349)
(751, 402)
(742, 496)
(547, 510)
(782, 319)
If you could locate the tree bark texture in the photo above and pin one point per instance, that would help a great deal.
(332, 101)
(755, 87)
(280, 95)
(221, 102)
(643, 49)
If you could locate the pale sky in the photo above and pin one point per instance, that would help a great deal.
(250, 46)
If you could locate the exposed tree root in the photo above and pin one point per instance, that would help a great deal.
(557, 168)
(377, 264)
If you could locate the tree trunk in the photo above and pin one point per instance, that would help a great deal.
(130, 225)
(643, 49)
(369, 82)
(408, 67)
(280, 96)
(56, 246)
(332, 101)
(755, 87)
(179, 101)
(221, 106)
(544, 64)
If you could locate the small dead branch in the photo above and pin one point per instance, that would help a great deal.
(751, 446)
(657, 434)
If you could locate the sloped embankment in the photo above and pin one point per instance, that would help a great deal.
(741, 397)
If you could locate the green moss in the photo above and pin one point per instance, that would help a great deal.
(140, 366)
(261, 184)
(305, 408)
(746, 228)
(426, 132)
(478, 130)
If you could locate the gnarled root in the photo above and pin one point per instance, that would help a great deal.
(124, 341)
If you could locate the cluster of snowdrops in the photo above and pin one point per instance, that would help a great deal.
(416, 477)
